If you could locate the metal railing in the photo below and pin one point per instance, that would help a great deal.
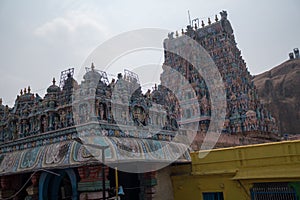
(273, 191)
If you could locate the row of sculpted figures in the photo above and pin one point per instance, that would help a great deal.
(119, 102)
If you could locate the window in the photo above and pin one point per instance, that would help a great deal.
(273, 191)
(212, 196)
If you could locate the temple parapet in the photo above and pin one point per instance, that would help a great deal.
(96, 107)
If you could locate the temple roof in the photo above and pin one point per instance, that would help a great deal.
(71, 154)
(53, 88)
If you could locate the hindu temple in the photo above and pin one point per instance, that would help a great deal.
(52, 147)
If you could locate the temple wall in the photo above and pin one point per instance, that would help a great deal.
(164, 189)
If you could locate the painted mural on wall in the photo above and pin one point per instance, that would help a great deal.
(72, 153)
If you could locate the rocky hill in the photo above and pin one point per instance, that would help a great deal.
(279, 90)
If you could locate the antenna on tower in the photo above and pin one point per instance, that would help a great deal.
(189, 17)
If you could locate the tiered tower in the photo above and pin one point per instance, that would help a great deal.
(245, 113)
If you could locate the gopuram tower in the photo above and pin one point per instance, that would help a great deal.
(247, 120)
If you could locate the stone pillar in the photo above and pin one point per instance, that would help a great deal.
(90, 184)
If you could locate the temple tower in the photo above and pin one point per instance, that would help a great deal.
(245, 113)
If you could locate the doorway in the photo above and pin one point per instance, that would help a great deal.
(129, 182)
(62, 184)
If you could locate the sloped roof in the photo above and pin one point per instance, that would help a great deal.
(72, 154)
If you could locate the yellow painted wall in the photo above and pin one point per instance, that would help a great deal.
(233, 171)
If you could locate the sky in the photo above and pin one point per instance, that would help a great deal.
(39, 39)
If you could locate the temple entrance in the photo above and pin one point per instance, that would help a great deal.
(58, 186)
(129, 182)
(65, 189)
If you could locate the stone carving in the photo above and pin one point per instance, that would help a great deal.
(223, 14)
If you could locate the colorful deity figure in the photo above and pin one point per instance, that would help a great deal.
(102, 111)
(138, 115)
(251, 120)
(56, 123)
(124, 117)
(63, 119)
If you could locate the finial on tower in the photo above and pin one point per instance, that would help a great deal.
(202, 23)
(25, 91)
(21, 92)
(216, 18)
(176, 34)
(29, 89)
(93, 67)
(182, 31)
(223, 14)
(0, 101)
(170, 35)
(53, 81)
(209, 22)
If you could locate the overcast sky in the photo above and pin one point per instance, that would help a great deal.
(39, 39)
